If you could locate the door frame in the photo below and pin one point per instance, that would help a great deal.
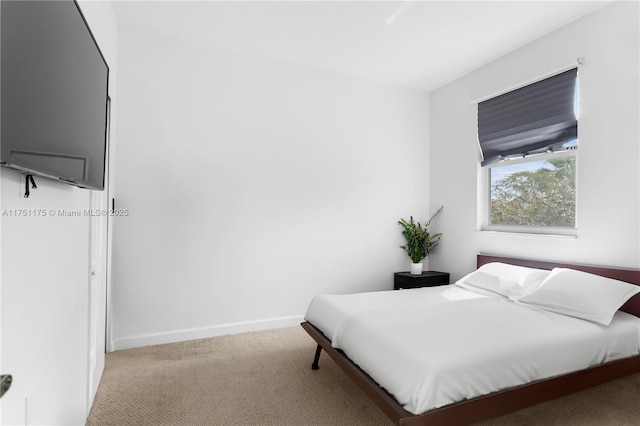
(99, 264)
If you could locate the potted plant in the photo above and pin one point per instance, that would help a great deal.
(420, 242)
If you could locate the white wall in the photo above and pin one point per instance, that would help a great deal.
(252, 185)
(44, 283)
(608, 158)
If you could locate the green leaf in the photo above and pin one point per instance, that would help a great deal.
(420, 243)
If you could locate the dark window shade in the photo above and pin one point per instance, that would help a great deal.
(533, 119)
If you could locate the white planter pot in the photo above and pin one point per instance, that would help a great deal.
(416, 268)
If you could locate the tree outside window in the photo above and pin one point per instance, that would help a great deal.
(539, 193)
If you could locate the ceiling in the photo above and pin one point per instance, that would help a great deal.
(417, 44)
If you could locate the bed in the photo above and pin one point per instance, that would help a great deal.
(340, 329)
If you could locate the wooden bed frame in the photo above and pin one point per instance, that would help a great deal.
(505, 401)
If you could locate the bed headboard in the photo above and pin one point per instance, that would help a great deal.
(629, 275)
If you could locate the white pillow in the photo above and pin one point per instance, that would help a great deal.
(580, 294)
(501, 278)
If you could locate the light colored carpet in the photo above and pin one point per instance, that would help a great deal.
(264, 378)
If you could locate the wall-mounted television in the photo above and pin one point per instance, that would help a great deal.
(54, 93)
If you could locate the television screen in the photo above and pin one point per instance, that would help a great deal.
(53, 98)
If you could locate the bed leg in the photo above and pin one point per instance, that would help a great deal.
(315, 365)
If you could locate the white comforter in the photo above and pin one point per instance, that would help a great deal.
(434, 346)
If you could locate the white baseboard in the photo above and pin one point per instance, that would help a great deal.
(204, 332)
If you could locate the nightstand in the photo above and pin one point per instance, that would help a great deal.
(426, 279)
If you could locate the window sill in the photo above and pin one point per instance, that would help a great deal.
(536, 232)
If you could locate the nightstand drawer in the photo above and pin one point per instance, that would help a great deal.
(426, 279)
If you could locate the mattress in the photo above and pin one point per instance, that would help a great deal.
(434, 346)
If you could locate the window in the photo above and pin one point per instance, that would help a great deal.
(528, 138)
(533, 193)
